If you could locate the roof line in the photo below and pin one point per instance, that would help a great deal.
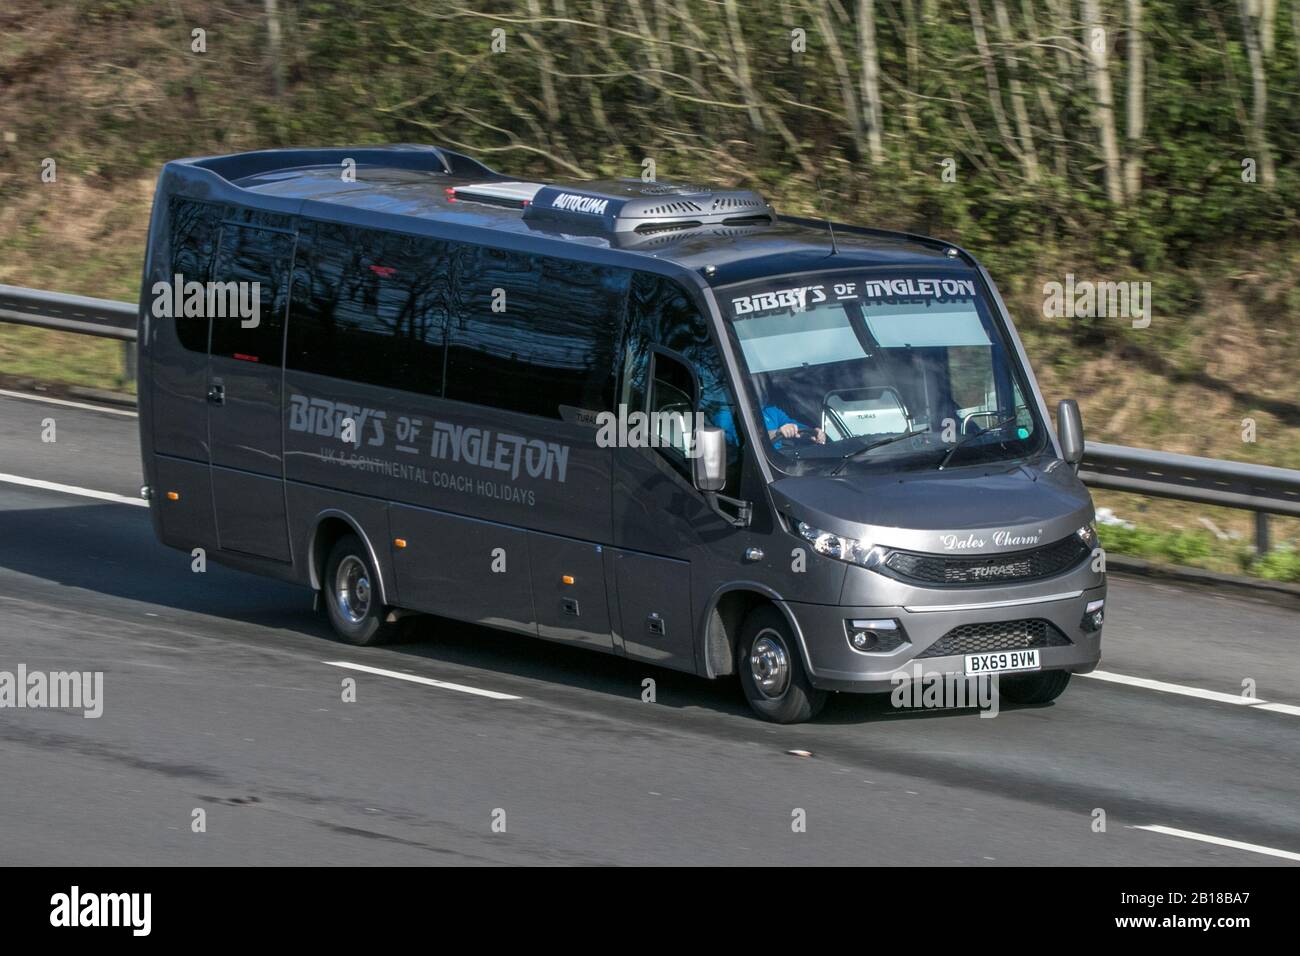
(915, 237)
(431, 159)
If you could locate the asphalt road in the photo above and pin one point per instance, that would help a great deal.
(217, 698)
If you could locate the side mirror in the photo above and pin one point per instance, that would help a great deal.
(710, 458)
(1069, 429)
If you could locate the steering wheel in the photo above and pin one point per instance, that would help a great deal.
(808, 435)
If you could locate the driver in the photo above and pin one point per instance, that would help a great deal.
(778, 424)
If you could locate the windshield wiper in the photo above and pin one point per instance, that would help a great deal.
(872, 446)
(997, 426)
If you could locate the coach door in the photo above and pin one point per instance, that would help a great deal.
(245, 377)
(670, 366)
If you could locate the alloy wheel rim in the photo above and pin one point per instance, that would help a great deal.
(769, 665)
(352, 589)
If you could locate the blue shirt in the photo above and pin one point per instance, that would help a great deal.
(773, 418)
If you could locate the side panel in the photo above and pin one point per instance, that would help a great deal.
(457, 567)
(654, 598)
(173, 386)
(187, 521)
(244, 382)
(179, 353)
(449, 456)
(569, 591)
(250, 513)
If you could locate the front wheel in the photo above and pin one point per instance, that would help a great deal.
(1034, 688)
(772, 673)
(350, 596)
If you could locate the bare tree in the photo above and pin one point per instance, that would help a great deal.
(991, 80)
(743, 74)
(1136, 102)
(1267, 26)
(871, 79)
(1256, 132)
(546, 69)
(1025, 132)
(1103, 110)
(1062, 26)
(912, 39)
(274, 46)
(1043, 87)
(848, 94)
(1295, 31)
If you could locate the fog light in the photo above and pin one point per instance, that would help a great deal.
(1093, 616)
(874, 636)
(862, 640)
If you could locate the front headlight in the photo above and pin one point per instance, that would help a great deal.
(1088, 535)
(837, 546)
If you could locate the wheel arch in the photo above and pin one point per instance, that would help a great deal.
(725, 614)
(327, 527)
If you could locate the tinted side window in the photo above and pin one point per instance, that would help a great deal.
(370, 307)
(672, 403)
(249, 292)
(195, 230)
(533, 334)
(661, 313)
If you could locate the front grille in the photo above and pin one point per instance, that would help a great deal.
(955, 571)
(996, 636)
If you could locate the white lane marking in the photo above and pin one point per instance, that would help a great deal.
(1221, 841)
(427, 681)
(26, 396)
(1291, 709)
(73, 490)
(1166, 688)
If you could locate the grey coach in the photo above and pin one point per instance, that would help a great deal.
(416, 385)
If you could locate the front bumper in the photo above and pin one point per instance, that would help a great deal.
(833, 664)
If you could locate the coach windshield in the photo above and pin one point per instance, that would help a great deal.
(895, 371)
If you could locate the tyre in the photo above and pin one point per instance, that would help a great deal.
(771, 671)
(1033, 688)
(351, 600)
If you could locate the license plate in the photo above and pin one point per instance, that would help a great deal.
(1001, 661)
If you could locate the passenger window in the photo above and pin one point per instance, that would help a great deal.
(660, 313)
(370, 307)
(195, 229)
(533, 334)
(975, 380)
(673, 399)
(249, 292)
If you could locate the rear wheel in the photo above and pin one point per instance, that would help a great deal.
(351, 598)
(1033, 688)
(771, 671)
